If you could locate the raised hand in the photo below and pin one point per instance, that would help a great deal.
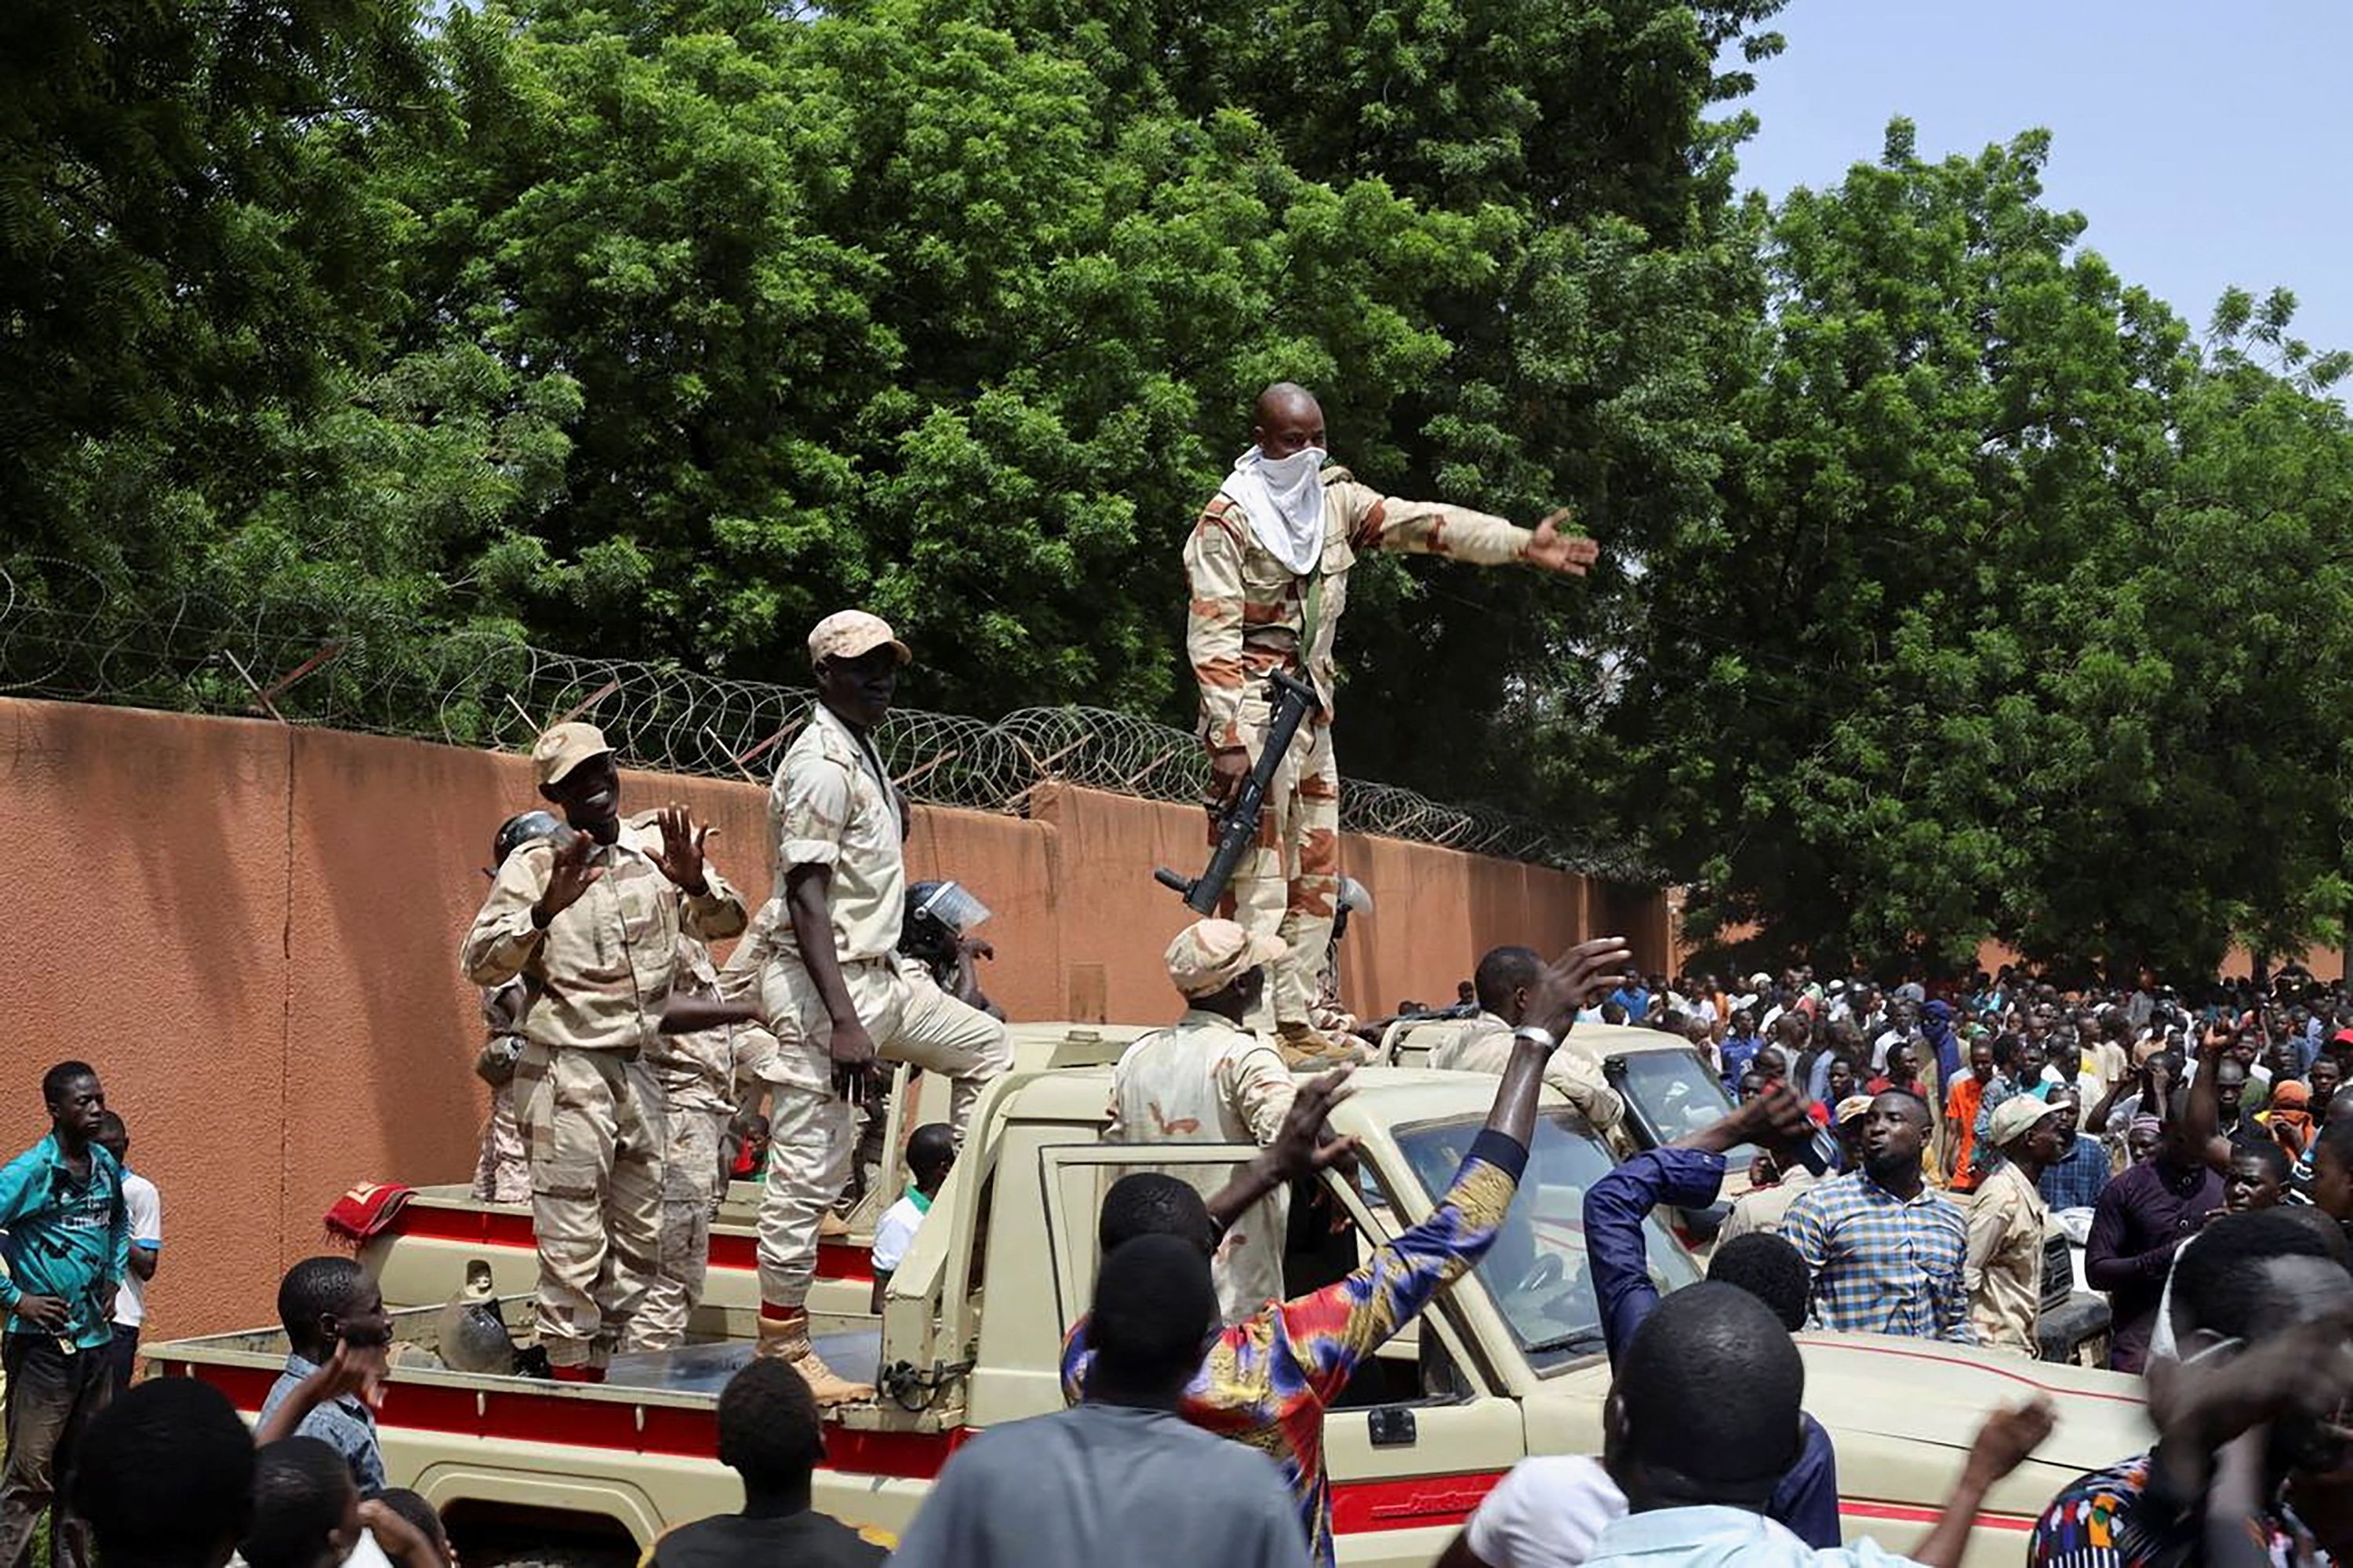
(1572, 983)
(682, 853)
(1555, 551)
(567, 878)
(1776, 1120)
(1300, 1148)
(354, 1370)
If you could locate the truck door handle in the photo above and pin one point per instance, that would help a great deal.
(1390, 1427)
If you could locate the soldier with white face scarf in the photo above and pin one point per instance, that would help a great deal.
(1267, 563)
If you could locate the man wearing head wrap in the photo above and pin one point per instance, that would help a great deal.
(1936, 1029)
(1267, 567)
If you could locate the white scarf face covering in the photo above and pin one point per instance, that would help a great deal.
(1284, 500)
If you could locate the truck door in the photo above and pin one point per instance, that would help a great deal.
(1421, 1433)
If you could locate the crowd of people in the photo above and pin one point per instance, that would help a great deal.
(1912, 1148)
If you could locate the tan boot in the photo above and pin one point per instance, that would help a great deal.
(1305, 1046)
(787, 1339)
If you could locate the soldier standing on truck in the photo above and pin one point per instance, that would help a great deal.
(592, 918)
(502, 1173)
(698, 1073)
(1206, 1079)
(1267, 564)
(835, 993)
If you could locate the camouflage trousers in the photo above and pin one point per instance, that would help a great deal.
(691, 1190)
(593, 1122)
(1286, 886)
(812, 1131)
(502, 1174)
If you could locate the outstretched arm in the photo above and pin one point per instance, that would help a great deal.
(1377, 521)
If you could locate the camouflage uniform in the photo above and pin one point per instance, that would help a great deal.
(589, 1108)
(1483, 1045)
(698, 1074)
(1248, 613)
(502, 1173)
(1206, 1081)
(832, 805)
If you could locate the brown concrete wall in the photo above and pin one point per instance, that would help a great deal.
(251, 930)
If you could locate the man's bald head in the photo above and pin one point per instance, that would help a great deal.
(1288, 419)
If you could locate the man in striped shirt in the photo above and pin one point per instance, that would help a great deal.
(1885, 1249)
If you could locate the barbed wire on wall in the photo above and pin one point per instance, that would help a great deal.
(316, 661)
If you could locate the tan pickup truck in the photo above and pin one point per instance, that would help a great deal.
(1507, 1363)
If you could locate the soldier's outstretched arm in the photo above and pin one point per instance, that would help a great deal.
(1377, 521)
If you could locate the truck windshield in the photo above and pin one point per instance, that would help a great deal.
(1674, 1095)
(1536, 1271)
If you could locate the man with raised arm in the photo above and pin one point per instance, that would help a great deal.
(1267, 567)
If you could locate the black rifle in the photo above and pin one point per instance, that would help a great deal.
(1292, 700)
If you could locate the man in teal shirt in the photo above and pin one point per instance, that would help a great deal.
(67, 1244)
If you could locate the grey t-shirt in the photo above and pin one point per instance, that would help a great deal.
(1104, 1484)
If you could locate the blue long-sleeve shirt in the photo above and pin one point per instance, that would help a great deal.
(68, 1236)
(1615, 1209)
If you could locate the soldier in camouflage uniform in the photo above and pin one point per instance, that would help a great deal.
(1267, 563)
(701, 1073)
(1209, 1079)
(834, 991)
(591, 919)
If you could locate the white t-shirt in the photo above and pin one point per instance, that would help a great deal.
(1545, 1513)
(144, 1207)
(897, 1232)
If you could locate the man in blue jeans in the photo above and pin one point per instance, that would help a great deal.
(69, 1244)
(1687, 1174)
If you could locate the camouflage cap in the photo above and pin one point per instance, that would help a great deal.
(1851, 1107)
(847, 634)
(1210, 955)
(561, 748)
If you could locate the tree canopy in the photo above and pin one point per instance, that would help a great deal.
(1952, 586)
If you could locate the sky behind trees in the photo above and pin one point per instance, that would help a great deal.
(2206, 145)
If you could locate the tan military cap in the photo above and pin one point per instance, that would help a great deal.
(1851, 1107)
(1210, 955)
(2017, 1117)
(847, 634)
(562, 748)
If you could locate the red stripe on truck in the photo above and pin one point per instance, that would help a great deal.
(836, 1259)
(607, 1418)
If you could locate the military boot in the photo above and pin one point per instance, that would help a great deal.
(1305, 1046)
(786, 1338)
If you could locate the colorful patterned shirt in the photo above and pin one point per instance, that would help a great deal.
(1882, 1265)
(2099, 1523)
(1249, 611)
(1267, 1381)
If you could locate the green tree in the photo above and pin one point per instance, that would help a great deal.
(186, 235)
(1970, 649)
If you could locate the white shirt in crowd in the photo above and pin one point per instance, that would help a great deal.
(143, 1206)
(1546, 1514)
